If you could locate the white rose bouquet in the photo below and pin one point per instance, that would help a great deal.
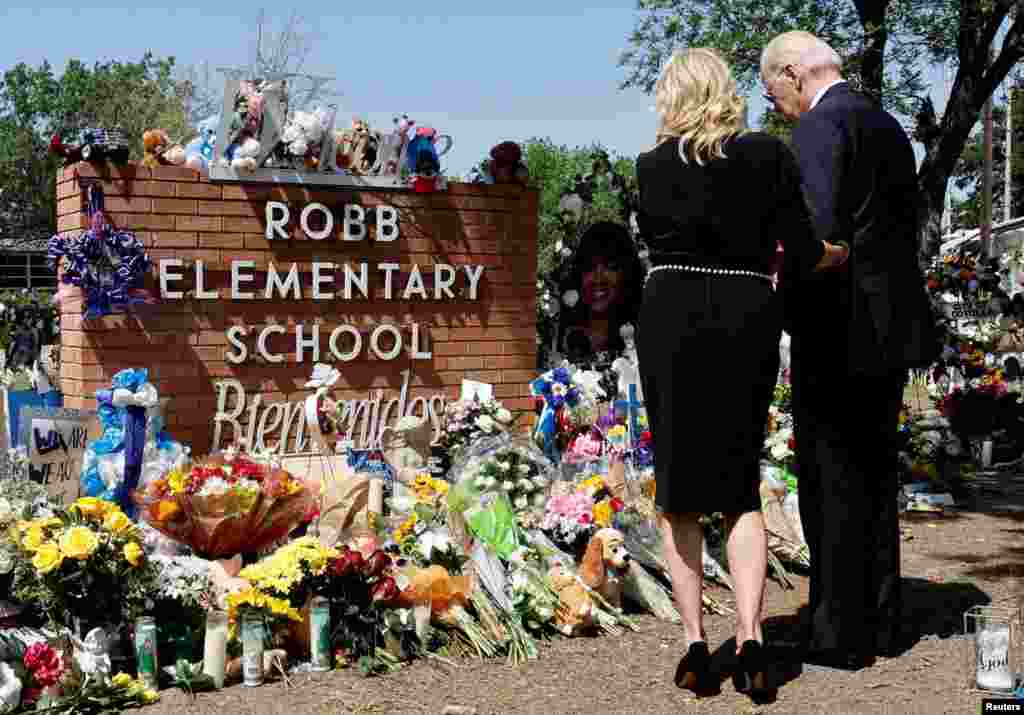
(468, 420)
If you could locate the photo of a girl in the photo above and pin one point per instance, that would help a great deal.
(606, 281)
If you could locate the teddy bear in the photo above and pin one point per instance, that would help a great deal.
(245, 154)
(357, 148)
(303, 135)
(575, 614)
(158, 150)
(506, 165)
(392, 146)
(604, 564)
(199, 151)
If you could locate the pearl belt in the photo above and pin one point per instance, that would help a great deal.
(709, 271)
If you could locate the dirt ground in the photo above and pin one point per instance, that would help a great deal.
(964, 557)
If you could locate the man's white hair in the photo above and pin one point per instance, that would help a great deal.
(799, 48)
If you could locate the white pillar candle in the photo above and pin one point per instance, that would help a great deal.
(215, 646)
(992, 647)
(986, 453)
(375, 501)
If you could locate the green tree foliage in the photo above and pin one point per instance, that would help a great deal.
(885, 45)
(967, 176)
(35, 103)
(554, 171)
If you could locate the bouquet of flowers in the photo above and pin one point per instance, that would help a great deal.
(570, 518)
(292, 571)
(466, 420)
(506, 465)
(21, 500)
(184, 585)
(85, 561)
(227, 504)
(570, 403)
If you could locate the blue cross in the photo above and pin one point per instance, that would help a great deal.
(630, 408)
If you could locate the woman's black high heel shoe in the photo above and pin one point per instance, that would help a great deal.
(694, 671)
(750, 677)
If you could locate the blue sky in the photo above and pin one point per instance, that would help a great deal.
(548, 70)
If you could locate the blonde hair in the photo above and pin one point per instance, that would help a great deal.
(799, 48)
(697, 99)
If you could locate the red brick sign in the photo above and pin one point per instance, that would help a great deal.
(406, 294)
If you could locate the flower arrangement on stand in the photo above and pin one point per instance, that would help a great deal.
(227, 504)
(570, 404)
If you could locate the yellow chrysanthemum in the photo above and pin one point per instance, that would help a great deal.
(177, 480)
(285, 568)
(121, 680)
(150, 696)
(603, 514)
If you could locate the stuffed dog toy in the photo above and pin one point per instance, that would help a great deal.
(603, 565)
(575, 614)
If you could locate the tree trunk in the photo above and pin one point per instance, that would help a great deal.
(872, 19)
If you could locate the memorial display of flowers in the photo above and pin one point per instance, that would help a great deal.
(226, 504)
(85, 561)
(465, 420)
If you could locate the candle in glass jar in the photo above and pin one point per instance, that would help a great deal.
(992, 647)
(215, 646)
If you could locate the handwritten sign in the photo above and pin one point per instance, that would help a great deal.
(56, 439)
(969, 310)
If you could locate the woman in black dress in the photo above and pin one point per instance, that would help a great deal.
(714, 199)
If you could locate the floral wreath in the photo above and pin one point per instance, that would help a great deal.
(107, 264)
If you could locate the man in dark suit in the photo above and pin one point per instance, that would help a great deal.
(855, 333)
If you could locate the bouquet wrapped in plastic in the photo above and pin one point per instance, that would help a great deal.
(227, 504)
(506, 464)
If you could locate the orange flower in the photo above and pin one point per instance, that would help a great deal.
(165, 510)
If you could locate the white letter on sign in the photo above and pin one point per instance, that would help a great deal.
(375, 341)
(319, 278)
(387, 223)
(201, 292)
(283, 287)
(222, 404)
(166, 277)
(414, 285)
(301, 343)
(233, 334)
(261, 343)
(328, 222)
(237, 278)
(443, 285)
(276, 226)
(355, 227)
(417, 354)
(357, 341)
(473, 273)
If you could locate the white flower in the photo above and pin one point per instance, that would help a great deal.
(430, 540)
(558, 246)
(545, 613)
(526, 485)
(6, 511)
(559, 390)
(566, 253)
(571, 298)
(213, 486)
(539, 500)
(521, 502)
(524, 468)
(485, 423)
(540, 481)
(508, 486)
(504, 416)
(480, 482)
(6, 561)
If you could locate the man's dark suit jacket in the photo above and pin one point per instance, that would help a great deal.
(860, 180)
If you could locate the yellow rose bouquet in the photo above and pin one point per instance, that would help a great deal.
(85, 562)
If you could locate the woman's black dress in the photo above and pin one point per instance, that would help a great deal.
(709, 344)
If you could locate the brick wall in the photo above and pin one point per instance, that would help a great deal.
(178, 213)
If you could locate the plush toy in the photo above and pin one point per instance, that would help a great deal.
(199, 151)
(423, 160)
(154, 143)
(303, 135)
(603, 565)
(506, 165)
(357, 148)
(393, 146)
(406, 447)
(575, 614)
(244, 156)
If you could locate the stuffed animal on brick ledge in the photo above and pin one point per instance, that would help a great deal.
(604, 564)
(158, 150)
(506, 165)
(575, 614)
